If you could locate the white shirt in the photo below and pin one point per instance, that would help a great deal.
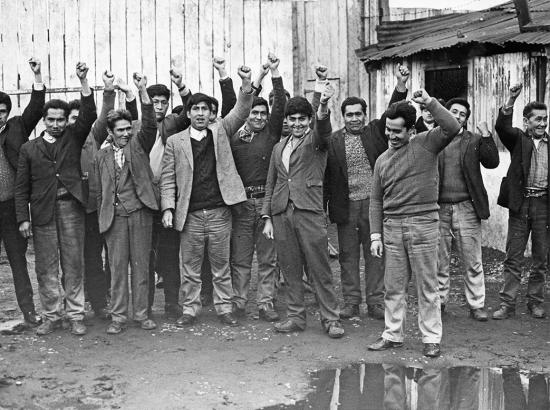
(48, 138)
(155, 157)
(196, 134)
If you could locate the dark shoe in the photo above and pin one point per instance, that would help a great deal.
(206, 300)
(335, 330)
(536, 310)
(376, 312)
(384, 344)
(185, 320)
(114, 328)
(228, 319)
(269, 315)
(103, 313)
(288, 326)
(48, 326)
(349, 311)
(172, 312)
(78, 328)
(479, 314)
(504, 313)
(148, 324)
(32, 318)
(238, 311)
(431, 350)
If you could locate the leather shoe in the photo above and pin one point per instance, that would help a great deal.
(431, 350)
(269, 315)
(384, 344)
(185, 320)
(148, 324)
(48, 326)
(479, 314)
(228, 319)
(376, 312)
(288, 326)
(335, 330)
(536, 310)
(78, 328)
(349, 311)
(172, 312)
(32, 318)
(504, 313)
(114, 328)
(238, 311)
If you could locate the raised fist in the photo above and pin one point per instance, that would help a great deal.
(176, 77)
(35, 65)
(140, 80)
(327, 93)
(403, 73)
(108, 80)
(218, 63)
(421, 97)
(321, 71)
(81, 70)
(515, 90)
(273, 61)
(121, 85)
(244, 72)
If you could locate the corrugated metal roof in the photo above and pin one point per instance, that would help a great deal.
(498, 25)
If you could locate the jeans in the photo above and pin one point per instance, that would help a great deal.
(301, 238)
(461, 222)
(129, 241)
(247, 235)
(410, 244)
(351, 236)
(530, 219)
(210, 228)
(62, 239)
(16, 248)
(95, 280)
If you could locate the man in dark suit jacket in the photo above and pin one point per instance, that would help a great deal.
(352, 152)
(294, 200)
(49, 179)
(524, 191)
(14, 133)
(126, 197)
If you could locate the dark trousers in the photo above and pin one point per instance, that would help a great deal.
(95, 282)
(301, 236)
(351, 237)
(165, 261)
(531, 219)
(16, 247)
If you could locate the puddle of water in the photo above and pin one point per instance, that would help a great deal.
(394, 387)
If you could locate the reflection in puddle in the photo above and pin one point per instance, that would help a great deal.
(394, 387)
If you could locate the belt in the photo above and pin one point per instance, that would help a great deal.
(254, 188)
(534, 193)
(255, 195)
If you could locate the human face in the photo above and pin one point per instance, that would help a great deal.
(427, 116)
(199, 114)
(536, 124)
(121, 133)
(398, 135)
(298, 124)
(73, 115)
(213, 114)
(160, 104)
(286, 129)
(460, 113)
(354, 118)
(257, 118)
(55, 122)
(3, 114)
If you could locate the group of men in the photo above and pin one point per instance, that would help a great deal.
(169, 191)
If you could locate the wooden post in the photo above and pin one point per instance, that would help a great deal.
(524, 16)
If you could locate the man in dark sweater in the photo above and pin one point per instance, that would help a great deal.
(463, 203)
(404, 219)
(252, 146)
(524, 191)
(14, 133)
(49, 180)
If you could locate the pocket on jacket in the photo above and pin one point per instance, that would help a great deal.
(314, 183)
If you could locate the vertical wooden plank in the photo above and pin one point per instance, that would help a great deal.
(177, 41)
(40, 46)
(56, 48)
(218, 39)
(9, 13)
(3, 27)
(102, 45)
(237, 35)
(72, 45)
(118, 37)
(162, 41)
(25, 50)
(148, 50)
(87, 19)
(354, 40)
(311, 55)
(300, 45)
(206, 72)
(133, 42)
(192, 44)
(252, 34)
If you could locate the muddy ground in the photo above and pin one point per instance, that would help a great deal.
(249, 367)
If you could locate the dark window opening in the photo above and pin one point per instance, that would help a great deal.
(447, 83)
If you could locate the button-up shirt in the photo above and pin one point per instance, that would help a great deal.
(196, 134)
(538, 172)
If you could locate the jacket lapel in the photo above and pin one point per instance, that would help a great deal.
(526, 151)
(109, 161)
(186, 146)
(340, 152)
(465, 140)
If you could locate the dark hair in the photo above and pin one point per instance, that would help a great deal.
(353, 101)
(5, 99)
(74, 105)
(56, 104)
(158, 90)
(215, 104)
(298, 105)
(402, 109)
(271, 96)
(198, 98)
(177, 109)
(533, 105)
(116, 115)
(260, 101)
(459, 101)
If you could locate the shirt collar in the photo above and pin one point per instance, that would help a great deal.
(48, 138)
(196, 134)
(3, 127)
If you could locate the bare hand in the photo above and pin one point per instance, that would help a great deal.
(140, 80)
(167, 219)
(483, 129)
(35, 65)
(176, 77)
(321, 71)
(108, 80)
(328, 92)
(218, 63)
(377, 248)
(421, 97)
(25, 229)
(244, 72)
(515, 90)
(403, 73)
(121, 85)
(268, 229)
(81, 70)
(273, 61)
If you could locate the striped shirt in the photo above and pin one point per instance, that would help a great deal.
(538, 172)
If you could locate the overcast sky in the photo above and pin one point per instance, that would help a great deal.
(443, 4)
